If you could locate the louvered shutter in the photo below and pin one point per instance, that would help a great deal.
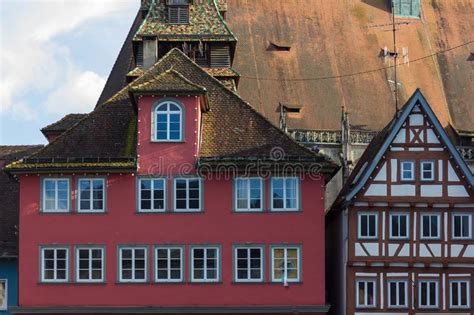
(220, 56)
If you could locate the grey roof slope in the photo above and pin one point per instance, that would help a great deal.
(63, 124)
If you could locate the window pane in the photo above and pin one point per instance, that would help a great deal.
(364, 225)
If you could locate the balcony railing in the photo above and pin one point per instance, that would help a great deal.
(467, 153)
(331, 136)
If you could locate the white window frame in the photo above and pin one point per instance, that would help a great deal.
(359, 225)
(402, 169)
(421, 306)
(389, 292)
(469, 229)
(90, 269)
(4, 307)
(366, 305)
(91, 195)
(218, 264)
(422, 227)
(56, 199)
(285, 249)
(133, 269)
(422, 175)
(187, 209)
(168, 258)
(55, 268)
(152, 194)
(248, 191)
(249, 269)
(284, 208)
(168, 113)
(407, 216)
(468, 292)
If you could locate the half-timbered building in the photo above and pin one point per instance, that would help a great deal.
(400, 234)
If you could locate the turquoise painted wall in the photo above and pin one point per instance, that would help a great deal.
(9, 271)
(407, 8)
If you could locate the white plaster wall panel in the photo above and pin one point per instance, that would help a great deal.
(393, 166)
(416, 120)
(377, 190)
(382, 297)
(403, 190)
(416, 149)
(359, 251)
(405, 251)
(424, 252)
(400, 138)
(435, 249)
(456, 250)
(440, 170)
(431, 191)
(431, 136)
(392, 248)
(452, 176)
(457, 191)
(397, 149)
(397, 274)
(436, 149)
(372, 248)
(469, 253)
(382, 175)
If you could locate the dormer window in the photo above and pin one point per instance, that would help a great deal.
(169, 122)
(178, 11)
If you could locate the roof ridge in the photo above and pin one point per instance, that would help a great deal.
(62, 119)
(170, 71)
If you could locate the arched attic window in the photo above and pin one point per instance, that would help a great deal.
(168, 117)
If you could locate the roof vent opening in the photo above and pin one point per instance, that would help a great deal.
(291, 108)
(278, 47)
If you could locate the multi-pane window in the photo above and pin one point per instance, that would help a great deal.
(248, 194)
(427, 170)
(205, 264)
(187, 194)
(168, 117)
(459, 294)
(90, 264)
(407, 171)
(397, 293)
(152, 194)
(55, 195)
(54, 264)
(286, 264)
(169, 264)
(248, 264)
(133, 264)
(365, 293)
(3, 295)
(91, 195)
(428, 294)
(399, 226)
(367, 225)
(462, 226)
(285, 193)
(430, 226)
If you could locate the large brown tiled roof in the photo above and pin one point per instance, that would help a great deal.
(64, 123)
(9, 198)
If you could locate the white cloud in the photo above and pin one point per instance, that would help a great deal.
(35, 62)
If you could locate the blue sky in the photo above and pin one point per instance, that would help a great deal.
(55, 56)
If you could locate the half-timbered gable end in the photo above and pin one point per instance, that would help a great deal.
(407, 219)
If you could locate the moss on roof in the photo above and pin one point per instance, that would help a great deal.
(138, 71)
(19, 165)
(169, 81)
(222, 72)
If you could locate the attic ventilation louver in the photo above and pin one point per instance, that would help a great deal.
(178, 11)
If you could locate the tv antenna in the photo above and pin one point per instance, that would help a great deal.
(395, 56)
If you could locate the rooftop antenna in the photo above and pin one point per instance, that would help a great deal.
(395, 56)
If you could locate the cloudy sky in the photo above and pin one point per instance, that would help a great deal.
(55, 56)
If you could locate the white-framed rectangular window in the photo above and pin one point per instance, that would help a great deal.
(248, 194)
(54, 264)
(427, 169)
(366, 293)
(428, 293)
(397, 293)
(205, 264)
(151, 194)
(91, 195)
(286, 264)
(248, 264)
(460, 294)
(187, 194)
(462, 226)
(133, 264)
(56, 195)
(399, 226)
(407, 170)
(3, 294)
(367, 225)
(430, 226)
(90, 264)
(285, 193)
(168, 264)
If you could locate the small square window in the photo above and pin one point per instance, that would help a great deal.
(133, 264)
(205, 264)
(397, 293)
(168, 264)
(462, 226)
(430, 226)
(427, 170)
(187, 195)
(285, 194)
(460, 294)
(55, 264)
(399, 226)
(56, 195)
(407, 170)
(90, 264)
(248, 264)
(286, 264)
(428, 294)
(91, 195)
(367, 225)
(366, 293)
(151, 195)
(248, 194)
